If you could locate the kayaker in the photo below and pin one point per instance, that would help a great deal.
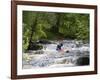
(59, 46)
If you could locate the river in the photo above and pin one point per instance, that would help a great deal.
(49, 57)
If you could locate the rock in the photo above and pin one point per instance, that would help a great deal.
(67, 51)
(44, 42)
(35, 47)
(39, 52)
(82, 61)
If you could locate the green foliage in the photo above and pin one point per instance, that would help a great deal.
(47, 25)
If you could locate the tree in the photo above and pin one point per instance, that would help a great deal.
(49, 25)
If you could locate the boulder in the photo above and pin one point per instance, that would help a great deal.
(34, 46)
(44, 42)
(82, 61)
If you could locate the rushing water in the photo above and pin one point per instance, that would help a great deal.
(50, 57)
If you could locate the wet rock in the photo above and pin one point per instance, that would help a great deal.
(39, 52)
(82, 61)
(34, 46)
(44, 42)
(67, 51)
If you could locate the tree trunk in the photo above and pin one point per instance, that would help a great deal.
(32, 31)
(57, 24)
